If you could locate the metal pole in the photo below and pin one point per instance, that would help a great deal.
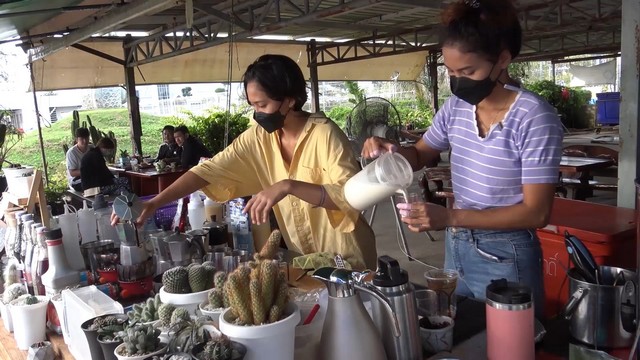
(132, 102)
(313, 72)
(35, 104)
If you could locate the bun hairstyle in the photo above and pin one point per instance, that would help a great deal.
(485, 27)
(279, 77)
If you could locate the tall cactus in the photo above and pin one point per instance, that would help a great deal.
(258, 293)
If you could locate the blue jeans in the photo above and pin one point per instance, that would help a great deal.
(480, 256)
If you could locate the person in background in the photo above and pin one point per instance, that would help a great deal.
(506, 145)
(295, 163)
(192, 148)
(74, 158)
(93, 170)
(169, 151)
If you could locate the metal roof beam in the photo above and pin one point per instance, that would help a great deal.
(105, 23)
(205, 32)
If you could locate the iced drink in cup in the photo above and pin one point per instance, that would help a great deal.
(443, 282)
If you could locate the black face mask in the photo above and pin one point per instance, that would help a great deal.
(270, 121)
(472, 91)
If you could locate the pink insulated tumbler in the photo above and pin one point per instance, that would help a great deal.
(510, 324)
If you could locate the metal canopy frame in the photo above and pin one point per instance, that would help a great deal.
(347, 30)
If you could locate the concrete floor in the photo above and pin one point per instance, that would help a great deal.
(420, 246)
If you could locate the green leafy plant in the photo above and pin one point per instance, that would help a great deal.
(10, 136)
(568, 101)
(210, 128)
(124, 153)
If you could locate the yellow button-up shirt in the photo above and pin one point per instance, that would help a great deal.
(322, 156)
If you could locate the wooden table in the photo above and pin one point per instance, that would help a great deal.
(150, 181)
(583, 166)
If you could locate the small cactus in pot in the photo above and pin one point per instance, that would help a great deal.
(139, 340)
(147, 311)
(219, 348)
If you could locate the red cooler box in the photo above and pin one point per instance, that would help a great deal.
(608, 232)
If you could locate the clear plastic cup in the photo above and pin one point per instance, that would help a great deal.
(443, 282)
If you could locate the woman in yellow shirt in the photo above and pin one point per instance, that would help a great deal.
(294, 162)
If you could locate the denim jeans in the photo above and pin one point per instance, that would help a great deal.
(480, 256)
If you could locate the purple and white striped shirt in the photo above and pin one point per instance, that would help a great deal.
(525, 148)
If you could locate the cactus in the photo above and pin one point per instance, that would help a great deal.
(259, 297)
(208, 263)
(176, 280)
(179, 315)
(217, 349)
(103, 321)
(188, 333)
(164, 313)
(146, 311)
(216, 299)
(13, 292)
(198, 279)
(31, 300)
(140, 340)
(270, 249)
(210, 272)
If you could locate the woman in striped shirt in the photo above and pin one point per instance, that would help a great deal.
(506, 146)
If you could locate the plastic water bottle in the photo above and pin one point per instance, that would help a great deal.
(87, 222)
(71, 238)
(103, 218)
(196, 211)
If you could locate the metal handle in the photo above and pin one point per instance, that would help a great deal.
(573, 302)
(380, 297)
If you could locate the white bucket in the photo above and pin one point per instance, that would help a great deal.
(213, 314)
(19, 180)
(276, 339)
(6, 316)
(378, 180)
(29, 322)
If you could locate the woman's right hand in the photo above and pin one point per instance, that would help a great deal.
(376, 146)
(148, 209)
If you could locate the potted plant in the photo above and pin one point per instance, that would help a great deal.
(124, 158)
(219, 348)
(146, 312)
(216, 301)
(90, 329)
(260, 316)
(11, 292)
(139, 342)
(187, 286)
(29, 317)
(110, 332)
(186, 332)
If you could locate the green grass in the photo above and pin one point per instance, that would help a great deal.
(27, 152)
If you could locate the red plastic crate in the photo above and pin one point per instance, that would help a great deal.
(608, 232)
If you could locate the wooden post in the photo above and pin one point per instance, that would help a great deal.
(132, 101)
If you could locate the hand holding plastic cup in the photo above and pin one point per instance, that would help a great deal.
(410, 204)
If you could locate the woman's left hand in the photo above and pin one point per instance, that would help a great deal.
(258, 207)
(422, 216)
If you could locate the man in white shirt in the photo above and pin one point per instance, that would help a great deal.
(74, 158)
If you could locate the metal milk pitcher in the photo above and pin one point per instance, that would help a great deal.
(349, 332)
(393, 283)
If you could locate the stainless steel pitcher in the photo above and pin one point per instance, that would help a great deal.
(348, 332)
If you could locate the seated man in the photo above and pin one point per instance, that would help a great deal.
(192, 148)
(74, 158)
(169, 151)
(93, 170)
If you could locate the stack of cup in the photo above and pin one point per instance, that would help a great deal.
(437, 307)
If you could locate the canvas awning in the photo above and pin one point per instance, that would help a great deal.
(72, 68)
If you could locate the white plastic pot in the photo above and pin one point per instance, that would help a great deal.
(276, 339)
(116, 352)
(29, 322)
(188, 301)
(59, 305)
(6, 316)
(213, 314)
(19, 180)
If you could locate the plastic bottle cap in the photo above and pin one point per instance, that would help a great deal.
(53, 234)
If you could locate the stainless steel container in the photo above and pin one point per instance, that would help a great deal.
(603, 314)
(393, 283)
